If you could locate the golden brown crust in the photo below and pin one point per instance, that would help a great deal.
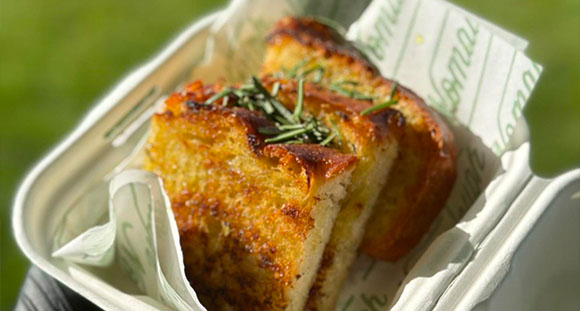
(420, 183)
(316, 161)
(371, 137)
(245, 210)
(322, 102)
(425, 173)
(309, 32)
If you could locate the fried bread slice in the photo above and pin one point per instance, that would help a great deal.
(372, 139)
(253, 218)
(425, 171)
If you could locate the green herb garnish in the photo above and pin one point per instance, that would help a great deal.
(393, 89)
(377, 107)
(391, 101)
(319, 75)
(290, 127)
(277, 106)
(275, 88)
(299, 71)
(328, 139)
(339, 88)
(291, 73)
(299, 101)
(224, 92)
(335, 128)
(288, 134)
(318, 69)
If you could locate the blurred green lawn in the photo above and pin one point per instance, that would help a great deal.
(58, 57)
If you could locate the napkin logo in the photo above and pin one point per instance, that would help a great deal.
(457, 61)
(138, 264)
(472, 180)
(506, 120)
(383, 27)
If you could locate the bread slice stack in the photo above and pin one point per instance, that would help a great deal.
(422, 176)
(255, 214)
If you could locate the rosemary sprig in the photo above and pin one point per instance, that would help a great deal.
(290, 127)
(391, 101)
(279, 107)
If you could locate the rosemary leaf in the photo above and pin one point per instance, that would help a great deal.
(291, 126)
(393, 89)
(335, 129)
(266, 106)
(294, 70)
(378, 107)
(299, 101)
(349, 82)
(286, 135)
(281, 109)
(219, 95)
(318, 76)
(362, 96)
(280, 119)
(337, 87)
(268, 130)
(305, 73)
(328, 139)
(391, 101)
(275, 88)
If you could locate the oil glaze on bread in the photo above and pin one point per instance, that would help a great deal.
(423, 175)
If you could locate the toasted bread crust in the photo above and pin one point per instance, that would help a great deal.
(249, 214)
(311, 33)
(425, 172)
(372, 139)
(316, 161)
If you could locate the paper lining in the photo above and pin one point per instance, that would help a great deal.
(474, 74)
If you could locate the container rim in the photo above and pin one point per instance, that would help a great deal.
(503, 242)
(95, 113)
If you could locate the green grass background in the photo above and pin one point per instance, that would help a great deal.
(58, 57)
